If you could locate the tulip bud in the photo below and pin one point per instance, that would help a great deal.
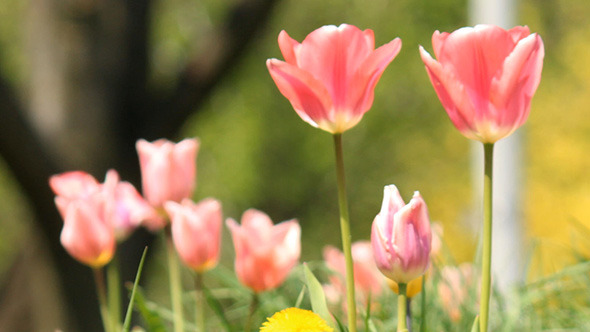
(401, 237)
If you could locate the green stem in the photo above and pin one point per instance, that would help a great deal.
(114, 293)
(175, 282)
(409, 313)
(102, 299)
(423, 305)
(200, 302)
(486, 262)
(345, 233)
(402, 308)
(253, 306)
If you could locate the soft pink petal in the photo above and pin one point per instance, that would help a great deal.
(361, 91)
(308, 96)
(438, 40)
(452, 95)
(475, 55)
(333, 55)
(287, 46)
(73, 184)
(512, 91)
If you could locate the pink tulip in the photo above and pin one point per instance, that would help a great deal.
(73, 184)
(369, 282)
(401, 237)
(168, 170)
(485, 78)
(88, 234)
(265, 254)
(330, 77)
(196, 232)
(130, 209)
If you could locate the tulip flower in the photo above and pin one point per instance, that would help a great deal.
(168, 170)
(265, 253)
(401, 237)
(129, 209)
(368, 280)
(485, 78)
(88, 234)
(329, 78)
(196, 232)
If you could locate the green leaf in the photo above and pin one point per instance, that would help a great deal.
(127, 322)
(475, 327)
(317, 297)
(300, 297)
(149, 314)
(371, 327)
(341, 326)
(218, 309)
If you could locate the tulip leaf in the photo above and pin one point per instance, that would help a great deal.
(127, 322)
(149, 313)
(475, 327)
(300, 297)
(341, 326)
(371, 326)
(214, 304)
(317, 296)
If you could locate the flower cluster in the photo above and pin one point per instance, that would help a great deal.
(485, 78)
(97, 215)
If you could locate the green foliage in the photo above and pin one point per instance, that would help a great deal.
(127, 321)
(317, 297)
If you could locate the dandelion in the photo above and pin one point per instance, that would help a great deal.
(295, 320)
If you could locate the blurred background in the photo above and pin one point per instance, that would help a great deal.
(82, 80)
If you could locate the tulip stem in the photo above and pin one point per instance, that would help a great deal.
(253, 307)
(345, 233)
(409, 313)
(200, 302)
(423, 306)
(114, 293)
(175, 282)
(486, 265)
(402, 309)
(102, 299)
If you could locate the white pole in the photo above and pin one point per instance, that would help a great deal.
(507, 249)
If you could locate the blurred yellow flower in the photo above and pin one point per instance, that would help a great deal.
(295, 320)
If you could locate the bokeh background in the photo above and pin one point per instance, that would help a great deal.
(81, 80)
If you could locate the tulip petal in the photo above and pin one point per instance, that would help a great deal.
(287, 46)
(333, 55)
(73, 184)
(515, 85)
(362, 91)
(307, 95)
(452, 95)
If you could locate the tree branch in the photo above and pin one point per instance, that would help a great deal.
(31, 167)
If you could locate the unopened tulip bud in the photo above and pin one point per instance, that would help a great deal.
(401, 237)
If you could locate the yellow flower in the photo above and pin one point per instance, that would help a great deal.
(295, 320)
